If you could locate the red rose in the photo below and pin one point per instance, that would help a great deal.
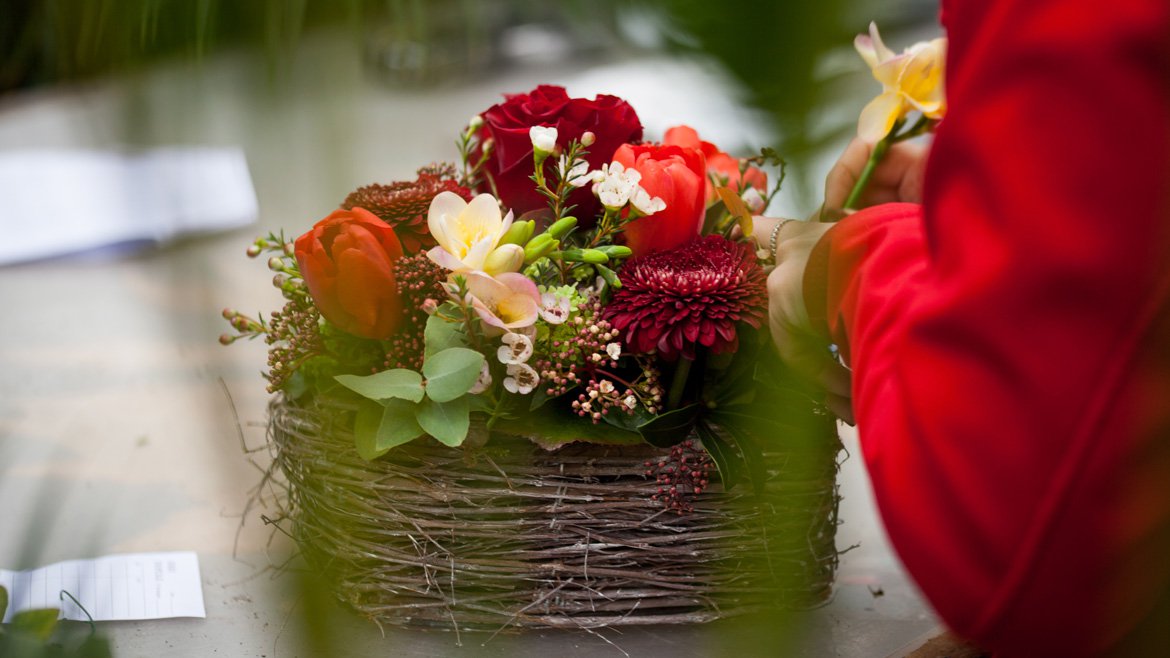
(348, 262)
(611, 120)
(675, 175)
(720, 164)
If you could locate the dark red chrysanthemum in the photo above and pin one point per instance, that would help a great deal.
(404, 204)
(672, 301)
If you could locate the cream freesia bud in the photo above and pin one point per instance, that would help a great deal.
(544, 140)
(505, 258)
(587, 139)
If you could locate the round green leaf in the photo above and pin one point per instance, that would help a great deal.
(451, 373)
(380, 427)
(448, 422)
(398, 383)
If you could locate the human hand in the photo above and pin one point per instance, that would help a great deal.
(898, 177)
(802, 348)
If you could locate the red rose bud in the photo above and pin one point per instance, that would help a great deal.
(676, 175)
(347, 261)
(722, 165)
(610, 119)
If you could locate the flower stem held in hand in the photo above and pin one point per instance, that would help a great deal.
(922, 126)
(879, 151)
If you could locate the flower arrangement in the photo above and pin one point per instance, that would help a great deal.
(566, 281)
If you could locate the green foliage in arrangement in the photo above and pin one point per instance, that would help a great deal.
(401, 405)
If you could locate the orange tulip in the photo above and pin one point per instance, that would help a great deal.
(347, 261)
(719, 164)
(675, 175)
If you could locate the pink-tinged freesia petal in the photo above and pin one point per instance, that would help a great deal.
(863, 44)
(509, 301)
(443, 258)
(883, 53)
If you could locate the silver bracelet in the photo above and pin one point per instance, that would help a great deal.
(776, 234)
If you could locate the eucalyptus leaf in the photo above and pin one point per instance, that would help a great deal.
(380, 427)
(440, 335)
(3, 602)
(447, 421)
(39, 623)
(398, 383)
(451, 373)
(671, 427)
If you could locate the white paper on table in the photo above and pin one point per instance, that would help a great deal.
(65, 201)
(111, 588)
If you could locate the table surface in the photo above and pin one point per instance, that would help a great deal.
(123, 423)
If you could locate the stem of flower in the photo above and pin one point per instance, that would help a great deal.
(879, 151)
(491, 422)
(679, 383)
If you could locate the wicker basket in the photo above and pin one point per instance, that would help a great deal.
(519, 536)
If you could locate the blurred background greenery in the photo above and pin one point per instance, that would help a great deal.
(780, 52)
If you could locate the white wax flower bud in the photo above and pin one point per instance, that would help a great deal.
(753, 200)
(475, 123)
(587, 139)
(544, 139)
(483, 382)
(646, 204)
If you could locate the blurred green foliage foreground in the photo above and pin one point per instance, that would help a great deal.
(37, 634)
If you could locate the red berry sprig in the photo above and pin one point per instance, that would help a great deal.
(681, 476)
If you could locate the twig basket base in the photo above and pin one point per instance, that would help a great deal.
(512, 535)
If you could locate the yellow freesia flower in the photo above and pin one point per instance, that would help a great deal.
(910, 81)
(469, 234)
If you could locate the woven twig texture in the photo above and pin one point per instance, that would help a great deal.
(512, 535)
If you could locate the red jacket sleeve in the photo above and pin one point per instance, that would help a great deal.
(1010, 339)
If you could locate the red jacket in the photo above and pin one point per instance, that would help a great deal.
(1010, 338)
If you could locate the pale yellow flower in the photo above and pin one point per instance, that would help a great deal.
(910, 81)
(467, 233)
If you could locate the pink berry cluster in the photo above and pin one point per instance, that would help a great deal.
(681, 475)
(601, 397)
(418, 279)
(576, 348)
